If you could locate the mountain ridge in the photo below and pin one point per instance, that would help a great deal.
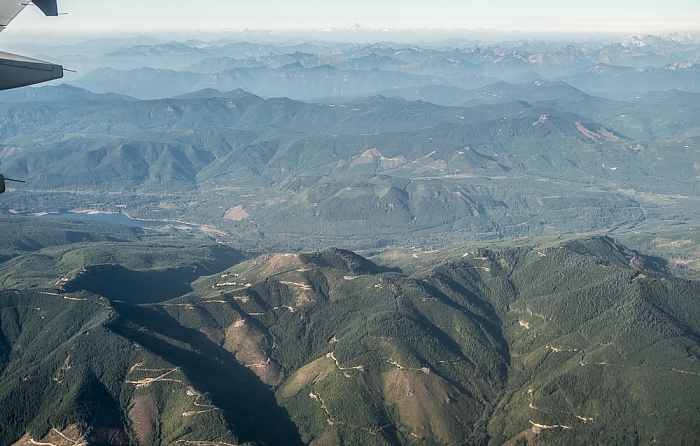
(450, 351)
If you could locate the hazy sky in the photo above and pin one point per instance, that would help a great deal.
(610, 16)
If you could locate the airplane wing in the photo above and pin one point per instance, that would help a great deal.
(10, 8)
(18, 71)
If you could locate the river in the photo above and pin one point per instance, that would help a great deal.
(114, 218)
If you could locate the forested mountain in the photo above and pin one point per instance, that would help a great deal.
(570, 341)
(339, 243)
(513, 160)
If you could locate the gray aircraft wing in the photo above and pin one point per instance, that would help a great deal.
(18, 71)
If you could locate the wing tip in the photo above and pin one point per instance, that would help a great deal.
(48, 7)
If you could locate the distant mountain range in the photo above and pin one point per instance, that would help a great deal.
(311, 71)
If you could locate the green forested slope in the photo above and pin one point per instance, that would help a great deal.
(561, 341)
(603, 344)
(514, 160)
